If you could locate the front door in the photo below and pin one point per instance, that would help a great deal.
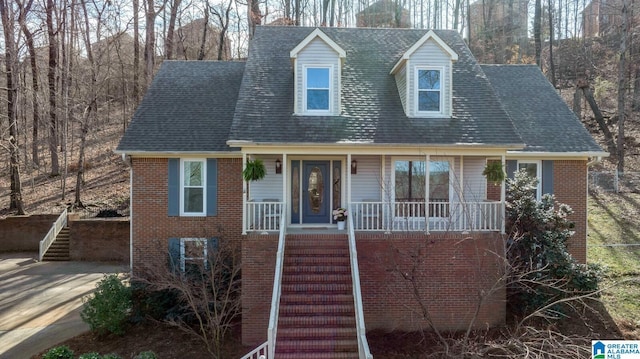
(316, 190)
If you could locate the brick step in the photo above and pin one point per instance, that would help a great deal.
(329, 355)
(316, 260)
(58, 251)
(318, 244)
(317, 346)
(310, 288)
(303, 298)
(53, 257)
(317, 251)
(315, 269)
(320, 332)
(338, 321)
(317, 309)
(315, 277)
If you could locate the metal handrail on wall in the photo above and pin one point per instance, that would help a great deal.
(50, 237)
(363, 345)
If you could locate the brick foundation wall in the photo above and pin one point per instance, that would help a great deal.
(258, 267)
(152, 227)
(570, 187)
(99, 239)
(24, 233)
(450, 270)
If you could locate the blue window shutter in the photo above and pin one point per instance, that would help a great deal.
(512, 167)
(547, 177)
(212, 187)
(174, 254)
(174, 187)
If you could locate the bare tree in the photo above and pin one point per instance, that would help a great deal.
(207, 286)
(51, 77)
(222, 13)
(537, 31)
(622, 84)
(168, 41)
(10, 57)
(136, 53)
(150, 37)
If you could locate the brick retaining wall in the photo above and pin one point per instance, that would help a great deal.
(24, 233)
(100, 239)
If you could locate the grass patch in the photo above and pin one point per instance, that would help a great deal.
(614, 242)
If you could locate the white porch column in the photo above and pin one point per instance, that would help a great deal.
(285, 185)
(427, 170)
(348, 171)
(244, 195)
(503, 194)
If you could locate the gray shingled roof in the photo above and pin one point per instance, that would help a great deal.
(188, 108)
(372, 111)
(541, 117)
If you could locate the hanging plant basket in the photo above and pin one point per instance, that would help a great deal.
(254, 171)
(494, 172)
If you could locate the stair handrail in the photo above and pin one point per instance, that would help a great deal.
(277, 287)
(50, 237)
(363, 344)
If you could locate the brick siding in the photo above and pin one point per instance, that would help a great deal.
(99, 239)
(570, 187)
(152, 227)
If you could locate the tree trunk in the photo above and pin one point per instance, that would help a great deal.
(150, 42)
(34, 79)
(168, 42)
(622, 82)
(552, 69)
(203, 43)
(51, 77)
(537, 31)
(636, 89)
(136, 53)
(577, 103)
(608, 136)
(10, 58)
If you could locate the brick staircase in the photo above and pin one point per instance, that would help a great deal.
(59, 250)
(317, 314)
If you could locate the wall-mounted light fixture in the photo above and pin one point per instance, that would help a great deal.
(354, 167)
(278, 166)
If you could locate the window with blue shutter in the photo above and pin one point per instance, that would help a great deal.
(192, 187)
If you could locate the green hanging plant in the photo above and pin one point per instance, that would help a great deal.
(494, 172)
(254, 170)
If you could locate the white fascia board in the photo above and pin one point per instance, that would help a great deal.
(178, 154)
(317, 33)
(430, 35)
(558, 155)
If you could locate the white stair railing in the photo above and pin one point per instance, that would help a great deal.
(277, 290)
(259, 352)
(363, 345)
(50, 237)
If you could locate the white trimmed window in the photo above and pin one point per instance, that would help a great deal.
(429, 91)
(317, 89)
(410, 184)
(193, 253)
(193, 187)
(533, 169)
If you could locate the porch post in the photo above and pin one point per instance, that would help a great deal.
(348, 172)
(244, 195)
(427, 169)
(285, 185)
(503, 195)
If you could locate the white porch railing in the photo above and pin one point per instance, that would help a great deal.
(258, 353)
(363, 345)
(264, 216)
(50, 237)
(440, 216)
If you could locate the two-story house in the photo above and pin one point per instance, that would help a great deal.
(394, 125)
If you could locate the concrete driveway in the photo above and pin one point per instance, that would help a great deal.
(40, 302)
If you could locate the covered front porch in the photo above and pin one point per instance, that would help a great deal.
(401, 191)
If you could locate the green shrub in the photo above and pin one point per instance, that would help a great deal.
(61, 352)
(107, 310)
(153, 303)
(90, 356)
(111, 356)
(146, 355)
(543, 269)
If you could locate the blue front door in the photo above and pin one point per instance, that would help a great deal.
(316, 191)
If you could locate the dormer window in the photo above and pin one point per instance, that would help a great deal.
(429, 96)
(317, 88)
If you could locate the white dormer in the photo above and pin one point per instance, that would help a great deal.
(424, 77)
(317, 67)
